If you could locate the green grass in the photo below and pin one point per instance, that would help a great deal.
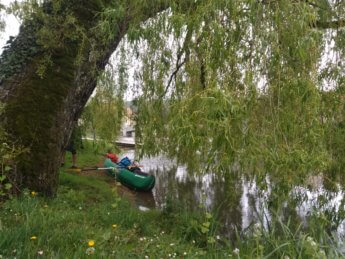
(87, 208)
(84, 209)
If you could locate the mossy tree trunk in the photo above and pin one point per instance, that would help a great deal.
(40, 111)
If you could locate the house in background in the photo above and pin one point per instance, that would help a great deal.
(128, 125)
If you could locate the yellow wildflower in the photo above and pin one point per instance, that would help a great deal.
(91, 243)
(33, 193)
(114, 226)
(33, 238)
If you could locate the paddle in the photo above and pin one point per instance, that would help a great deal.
(78, 170)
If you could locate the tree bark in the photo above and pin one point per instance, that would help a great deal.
(40, 112)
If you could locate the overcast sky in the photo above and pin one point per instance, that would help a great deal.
(12, 26)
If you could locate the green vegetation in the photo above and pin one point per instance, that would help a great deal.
(243, 85)
(218, 83)
(89, 217)
(246, 85)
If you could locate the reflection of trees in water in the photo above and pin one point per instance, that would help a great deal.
(228, 202)
(239, 200)
(167, 186)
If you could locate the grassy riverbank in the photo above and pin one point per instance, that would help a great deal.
(89, 217)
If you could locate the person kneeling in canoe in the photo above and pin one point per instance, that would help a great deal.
(131, 166)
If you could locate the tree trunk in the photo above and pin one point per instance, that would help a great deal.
(40, 112)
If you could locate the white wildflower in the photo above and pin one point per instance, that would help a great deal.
(90, 250)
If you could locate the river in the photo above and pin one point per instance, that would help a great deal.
(242, 201)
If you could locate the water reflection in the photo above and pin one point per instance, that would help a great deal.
(241, 201)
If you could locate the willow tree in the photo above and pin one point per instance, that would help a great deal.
(220, 82)
(48, 72)
(244, 84)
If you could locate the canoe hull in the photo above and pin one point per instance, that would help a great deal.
(131, 180)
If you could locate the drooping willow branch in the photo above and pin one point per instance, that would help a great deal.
(329, 24)
(179, 63)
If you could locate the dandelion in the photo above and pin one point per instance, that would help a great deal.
(45, 206)
(40, 252)
(33, 238)
(193, 241)
(91, 243)
(172, 244)
(90, 251)
(322, 253)
(34, 193)
(80, 208)
(311, 241)
(185, 253)
(114, 226)
(236, 251)
(146, 256)
(257, 230)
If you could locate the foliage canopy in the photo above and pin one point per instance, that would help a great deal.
(243, 82)
(258, 84)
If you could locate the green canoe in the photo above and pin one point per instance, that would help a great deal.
(138, 182)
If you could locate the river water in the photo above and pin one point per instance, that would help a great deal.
(240, 202)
